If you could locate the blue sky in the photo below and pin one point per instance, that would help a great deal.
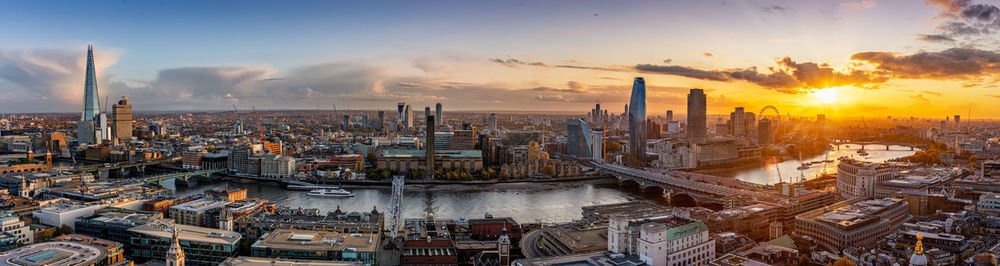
(368, 54)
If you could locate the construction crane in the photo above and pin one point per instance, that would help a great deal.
(260, 129)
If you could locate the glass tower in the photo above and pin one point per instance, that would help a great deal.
(637, 119)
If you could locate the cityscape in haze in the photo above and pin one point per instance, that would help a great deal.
(723, 132)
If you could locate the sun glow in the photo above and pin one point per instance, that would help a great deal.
(828, 95)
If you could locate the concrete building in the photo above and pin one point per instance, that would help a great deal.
(401, 161)
(121, 120)
(989, 203)
(439, 119)
(65, 212)
(597, 145)
(114, 251)
(200, 246)
(852, 223)
(856, 178)
(275, 166)
(254, 226)
(429, 164)
(13, 225)
(113, 224)
(697, 124)
(673, 240)
(194, 212)
(317, 245)
(258, 261)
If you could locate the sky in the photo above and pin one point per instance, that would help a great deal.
(869, 58)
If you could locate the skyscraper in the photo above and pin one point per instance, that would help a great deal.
(670, 115)
(493, 124)
(637, 119)
(438, 119)
(399, 117)
(764, 133)
(381, 120)
(597, 145)
(121, 119)
(407, 117)
(696, 116)
(427, 111)
(89, 127)
(578, 138)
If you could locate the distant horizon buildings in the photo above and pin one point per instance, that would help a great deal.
(121, 120)
(438, 119)
(637, 120)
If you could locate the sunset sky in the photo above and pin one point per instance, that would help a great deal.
(842, 58)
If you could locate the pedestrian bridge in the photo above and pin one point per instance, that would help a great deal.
(183, 176)
(672, 186)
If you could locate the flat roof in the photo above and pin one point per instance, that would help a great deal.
(53, 253)
(258, 261)
(857, 212)
(438, 153)
(200, 205)
(290, 239)
(189, 233)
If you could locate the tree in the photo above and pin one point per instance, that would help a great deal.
(612, 147)
(843, 261)
(370, 157)
(65, 230)
(965, 154)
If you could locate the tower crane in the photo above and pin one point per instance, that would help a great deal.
(260, 129)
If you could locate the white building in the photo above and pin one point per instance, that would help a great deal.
(276, 166)
(65, 212)
(13, 225)
(597, 145)
(856, 178)
(673, 154)
(664, 240)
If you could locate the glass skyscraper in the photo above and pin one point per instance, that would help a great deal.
(637, 120)
(696, 116)
(578, 138)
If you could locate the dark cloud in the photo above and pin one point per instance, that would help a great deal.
(550, 89)
(932, 93)
(773, 9)
(965, 20)
(683, 71)
(954, 63)
(707, 54)
(788, 77)
(934, 38)
(515, 63)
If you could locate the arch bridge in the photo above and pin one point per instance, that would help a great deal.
(912, 146)
(183, 176)
(704, 193)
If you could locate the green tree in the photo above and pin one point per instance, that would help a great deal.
(549, 170)
(371, 158)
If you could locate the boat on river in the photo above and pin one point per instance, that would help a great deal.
(338, 192)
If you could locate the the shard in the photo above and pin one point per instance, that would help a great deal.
(91, 106)
(91, 128)
(637, 120)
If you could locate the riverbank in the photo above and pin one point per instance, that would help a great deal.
(432, 183)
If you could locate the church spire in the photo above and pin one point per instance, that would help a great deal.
(175, 255)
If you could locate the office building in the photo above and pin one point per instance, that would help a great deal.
(437, 115)
(637, 120)
(380, 124)
(428, 242)
(121, 120)
(857, 178)
(696, 116)
(493, 124)
(597, 145)
(65, 212)
(401, 161)
(55, 253)
(275, 166)
(113, 223)
(407, 117)
(670, 115)
(852, 223)
(661, 240)
(195, 212)
(765, 134)
(317, 245)
(578, 142)
(254, 226)
(10, 224)
(192, 245)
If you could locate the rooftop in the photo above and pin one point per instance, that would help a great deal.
(257, 261)
(850, 214)
(189, 233)
(200, 205)
(437, 153)
(53, 253)
(317, 241)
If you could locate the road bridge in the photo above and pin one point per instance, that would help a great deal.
(673, 185)
(183, 176)
(912, 146)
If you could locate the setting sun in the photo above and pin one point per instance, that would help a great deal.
(828, 95)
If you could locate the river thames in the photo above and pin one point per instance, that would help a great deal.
(525, 202)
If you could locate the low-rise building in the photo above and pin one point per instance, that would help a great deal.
(852, 223)
(13, 225)
(254, 226)
(402, 161)
(55, 253)
(317, 245)
(663, 240)
(428, 241)
(114, 224)
(113, 250)
(195, 212)
(202, 246)
(65, 212)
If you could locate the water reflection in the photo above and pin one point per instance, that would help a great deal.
(769, 172)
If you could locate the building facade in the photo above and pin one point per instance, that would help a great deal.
(856, 178)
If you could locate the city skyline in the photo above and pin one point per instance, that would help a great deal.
(922, 64)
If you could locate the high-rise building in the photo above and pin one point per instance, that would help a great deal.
(597, 145)
(857, 178)
(637, 119)
(438, 118)
(427, 111)
(578, 140)
(381, 120)
(696, 116)
(429, 146)
(401, 107)
(958, 119)
(121, 121)
(89, 124)
(493, 123)
(764, 132)
(670, 115)
(737, 125)
(407, 117)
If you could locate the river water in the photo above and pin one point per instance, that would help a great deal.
(525, 202)
(768, 172)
